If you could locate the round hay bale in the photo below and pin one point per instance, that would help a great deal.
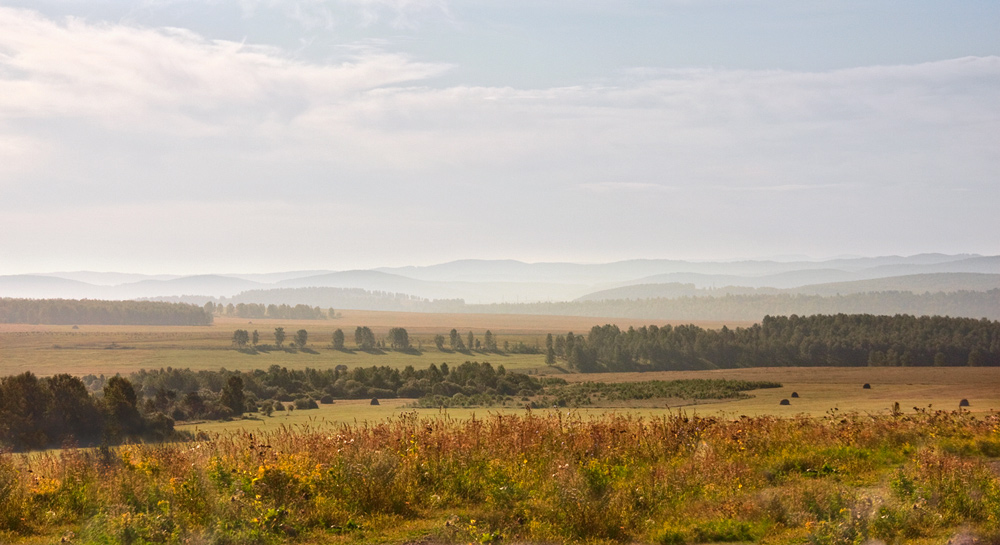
(963, 403)
(867, 386)
(795, 394)
(375, 401)
(785, 402)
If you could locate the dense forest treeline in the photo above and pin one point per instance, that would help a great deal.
(750, 304)
(97, 312)
(51, 411)
(820, 340)
(43, 412)
(352, 298)
(325, 297)
(753, 307)
(282, 312)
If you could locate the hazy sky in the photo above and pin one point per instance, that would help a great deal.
(193, 136)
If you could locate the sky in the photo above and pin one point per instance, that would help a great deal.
(201, 136)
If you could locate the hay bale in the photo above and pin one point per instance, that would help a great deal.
(375, 401)
(785, 402)
(795, 394)
(963, 403)
(867, 386)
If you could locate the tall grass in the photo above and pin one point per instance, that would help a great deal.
(557, 477)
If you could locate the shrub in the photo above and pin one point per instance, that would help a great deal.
(306, 403)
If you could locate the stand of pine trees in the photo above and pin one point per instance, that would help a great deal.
(821, 340)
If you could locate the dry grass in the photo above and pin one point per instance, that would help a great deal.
(823, 389)
(529, 477)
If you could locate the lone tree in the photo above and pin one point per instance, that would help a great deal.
(241, 338)
(489, 341)
(279, 336)
(364, 338)
(232, 395)
(439, 342)
(399, 339)
(472, 341)
(338, 340)
(301, 337)
(255, 338)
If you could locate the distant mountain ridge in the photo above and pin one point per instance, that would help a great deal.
(915, 283)
(510, 281)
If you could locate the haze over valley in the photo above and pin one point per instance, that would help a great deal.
(921, 284)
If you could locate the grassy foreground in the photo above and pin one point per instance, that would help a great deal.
(552, 478)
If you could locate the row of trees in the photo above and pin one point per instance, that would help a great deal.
(244, 339)
(398, 339)
(43, 412)
(821, 340)
(87, 311)
(283, 312)
(455, 343)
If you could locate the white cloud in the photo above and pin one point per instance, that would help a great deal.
(119, 74)
(109, 115)
(326, 14)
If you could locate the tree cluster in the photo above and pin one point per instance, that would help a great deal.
(399, 339)
(821, 340)
(51, 411)
(172, 390)
(364, 338)
(87, 311)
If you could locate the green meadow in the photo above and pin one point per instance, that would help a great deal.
(821, 392)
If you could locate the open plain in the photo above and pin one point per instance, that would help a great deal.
(95, 349)
(896, 461)
(91, 349)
